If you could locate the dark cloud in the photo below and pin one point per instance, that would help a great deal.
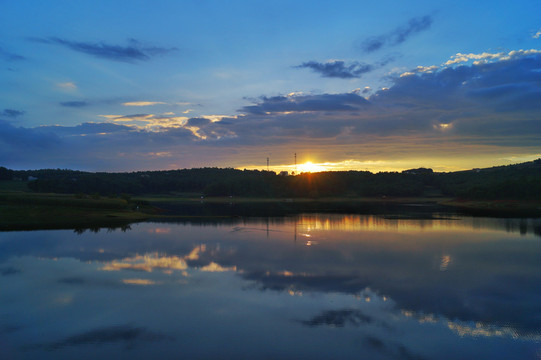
(493, 106)
(339, 318)
(84, 129)
(198, 122)
(7, 271)
(414, 26)
(9, 56)
(133, 51)
(486, 89)
(316, 282)
(398, 35)
(390, 349)
(387, 60)
(337, 69)
(14, 139)
(73, 280)
(135, 116)
(126, 334)
(10, 113)
(74, 104)
(302, 103)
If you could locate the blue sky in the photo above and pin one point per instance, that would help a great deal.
(368, 85)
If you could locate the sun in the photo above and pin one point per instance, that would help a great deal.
(310, 167)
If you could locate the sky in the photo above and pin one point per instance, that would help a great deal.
(345, 85)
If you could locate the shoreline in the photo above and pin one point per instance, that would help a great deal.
(33, 211)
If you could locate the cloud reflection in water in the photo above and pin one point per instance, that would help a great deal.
(380, 288)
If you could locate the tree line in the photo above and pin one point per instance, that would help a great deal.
(519, 181)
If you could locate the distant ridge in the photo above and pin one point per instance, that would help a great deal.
(516, 181)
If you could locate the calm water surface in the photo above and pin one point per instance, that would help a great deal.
(317, 286)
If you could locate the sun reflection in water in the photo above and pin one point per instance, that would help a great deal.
(445, 261)
(309, 223)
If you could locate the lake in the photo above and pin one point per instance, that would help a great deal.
(421, 285)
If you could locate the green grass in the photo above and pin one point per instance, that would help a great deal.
(190, 198)
(13, 186)
(521, 208)
(26, 211)
(21, 209)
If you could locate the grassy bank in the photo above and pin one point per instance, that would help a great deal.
(506, 208)
(191, 198)
(24, 210)
(518, 208)
(27, 211)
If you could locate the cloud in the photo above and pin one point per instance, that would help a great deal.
(214, 125)
(143, 282)
(485, 57)
(67, 85)
(74, 104)
(147, 262)
(537, 35)
(143, 103)
(8, 271)
(198, 122)
(9, 56)
(127, 334)
(485, 106)
(214, 267)
(398, 35)
(460, 58)
(337, 68)
(10, 113)
(84, 129)
(295, 103)
(149, 122)
(13, 138)
(132, 52)
(339, 318)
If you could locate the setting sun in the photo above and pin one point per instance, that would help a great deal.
(309, 167)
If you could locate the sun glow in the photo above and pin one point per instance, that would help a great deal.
(310, 167)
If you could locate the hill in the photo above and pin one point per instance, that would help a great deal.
(519, 181)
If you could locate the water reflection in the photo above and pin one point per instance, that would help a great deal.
(96, 229)
(320, 286)
(126, 334)
(147, 262)
(402, 223)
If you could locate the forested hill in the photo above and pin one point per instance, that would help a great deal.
(519, 181)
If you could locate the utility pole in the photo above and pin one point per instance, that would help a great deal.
(295, 163)
(267, 164)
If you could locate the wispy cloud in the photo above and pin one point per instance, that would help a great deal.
(74, 104)
(152, 122)
(84, 129)
(9, 56)
(337, 68)
(459, 57)
(67, 85)
(126, 334)
(10, 113)
(143, 103)
(398, 35)
(295, 103)
(484, 106)
(132, 52)
(339, 318)
(537, 35)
